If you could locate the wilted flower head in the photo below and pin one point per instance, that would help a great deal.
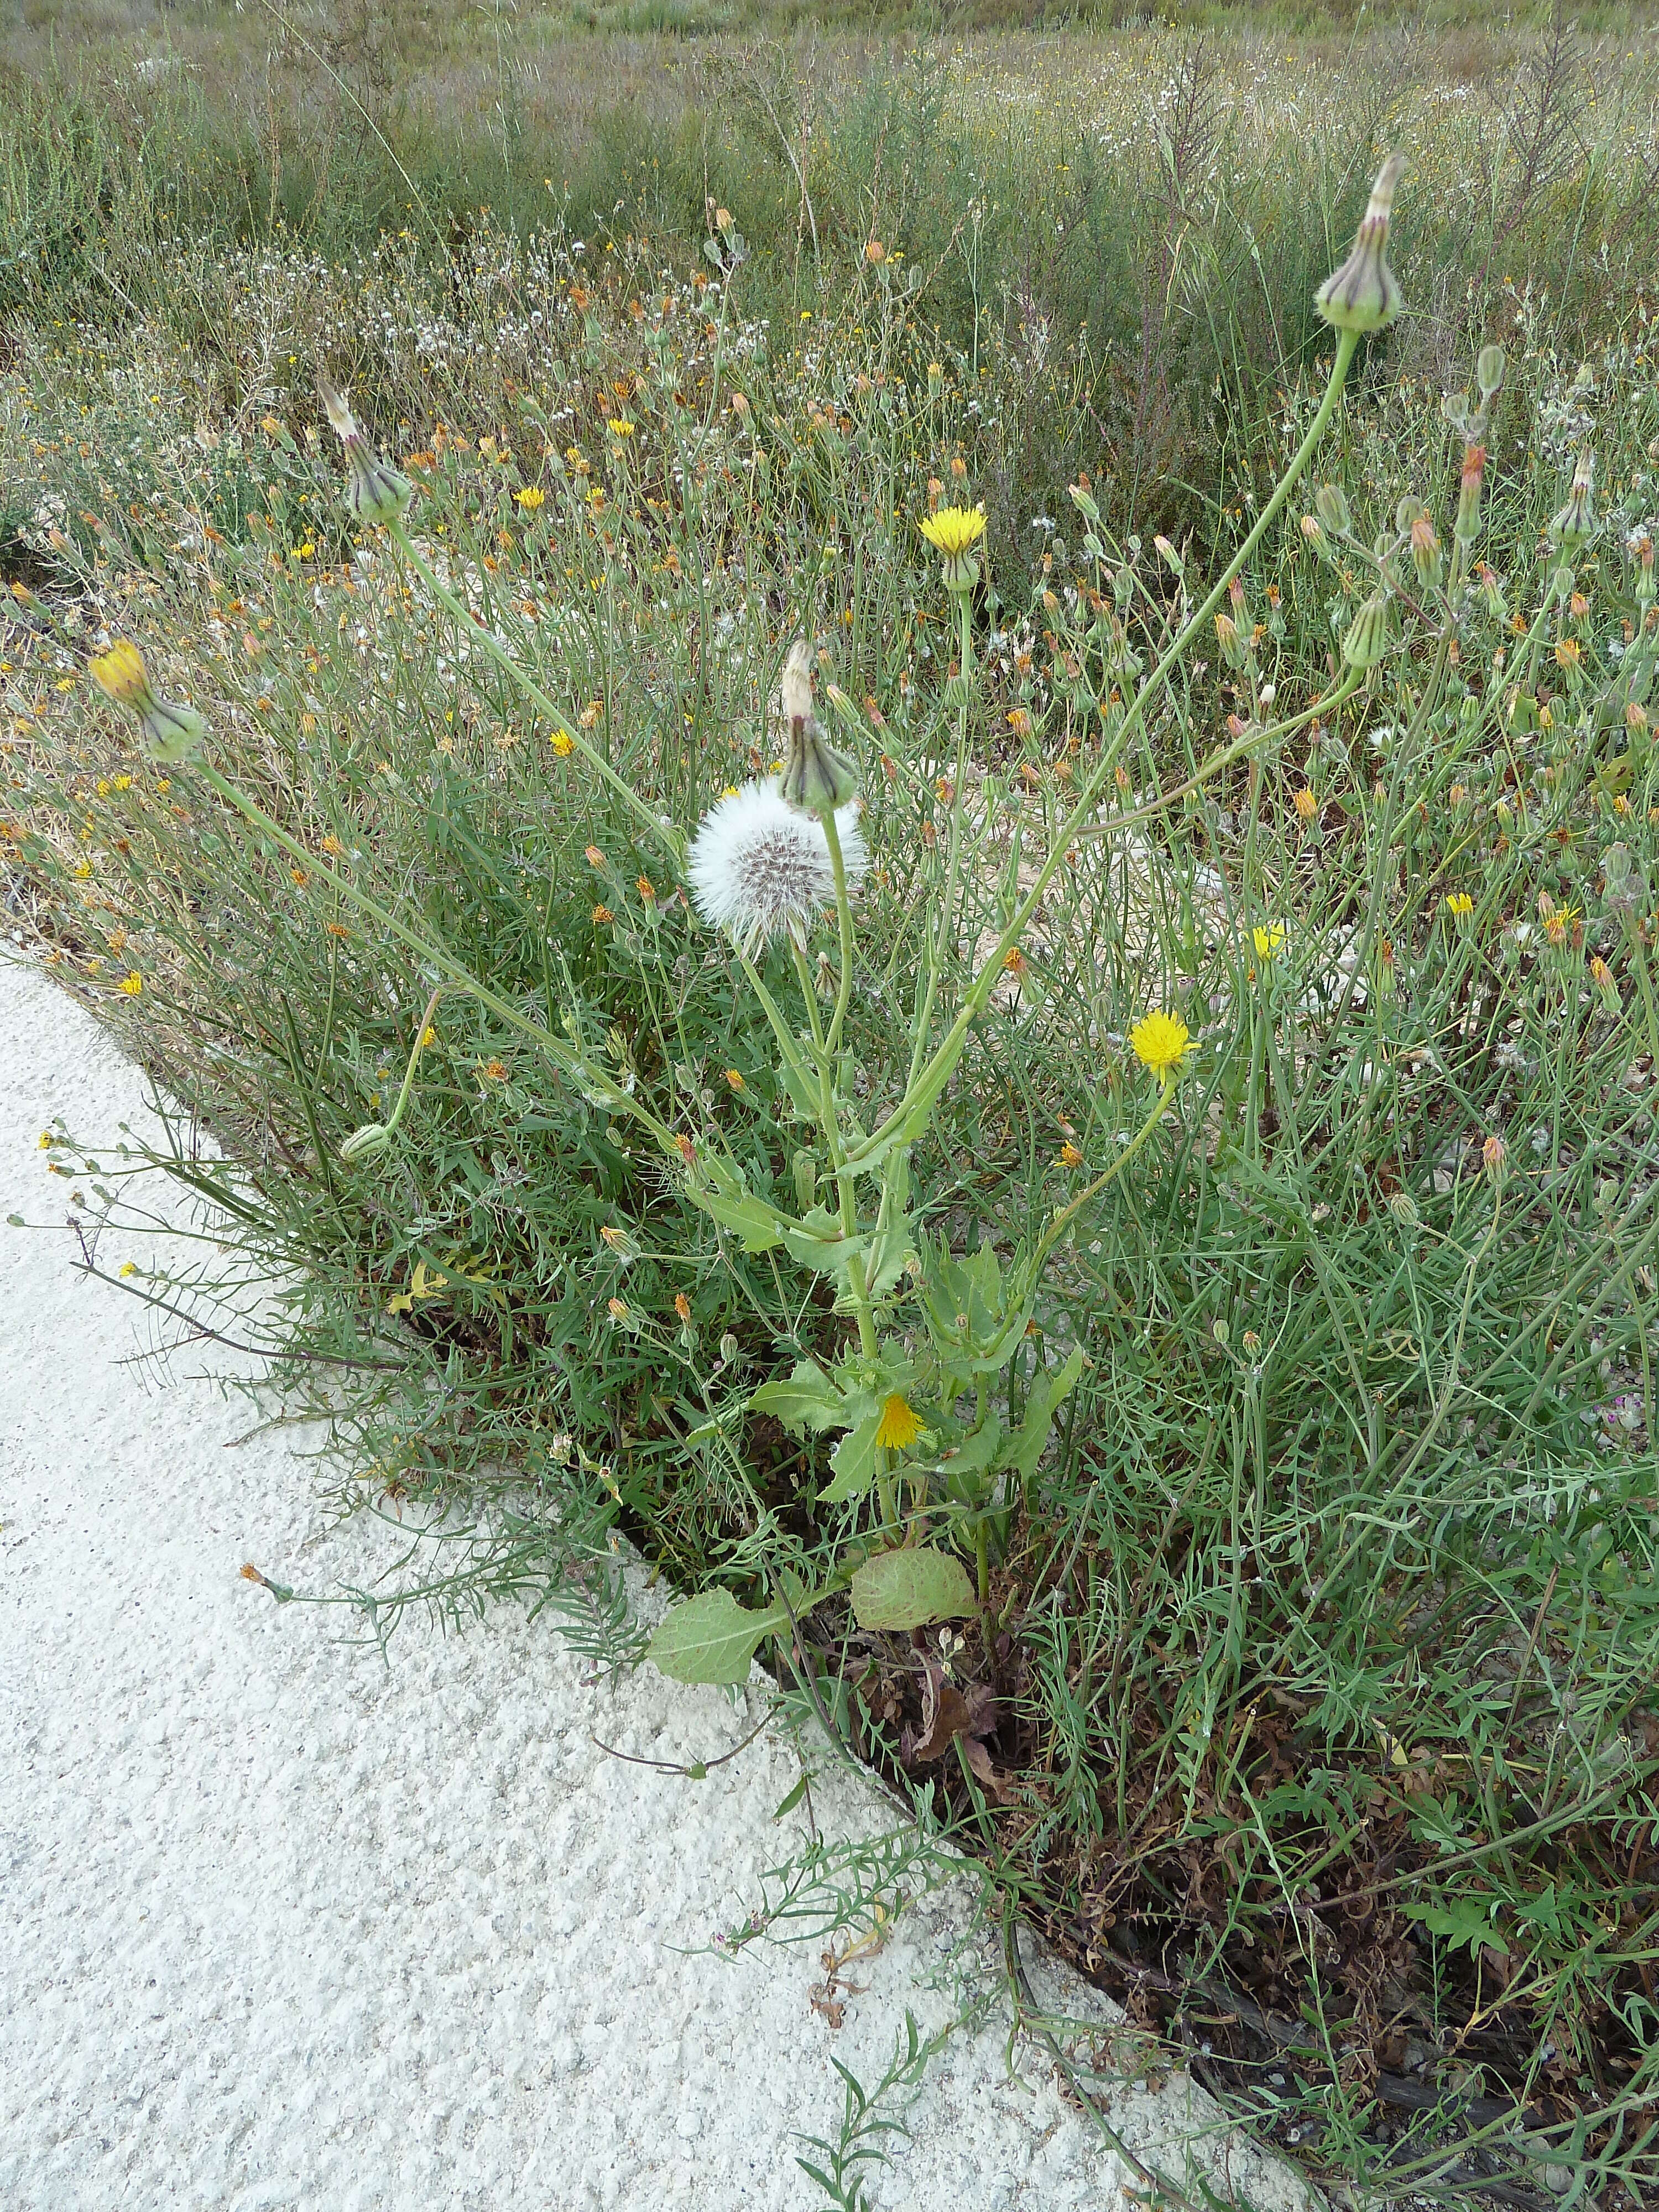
(816, 777)
(759, 866)
(1574, 525)
(174, 731)
(377, 492)
(1362, 295)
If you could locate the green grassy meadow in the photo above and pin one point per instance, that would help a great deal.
(1306, 1696)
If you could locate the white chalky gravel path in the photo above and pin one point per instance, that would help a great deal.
(285, 1930)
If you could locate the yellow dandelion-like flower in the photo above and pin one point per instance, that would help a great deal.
(953, 529)
(120, 673)
(1306, 805)
(619, 426)
(1069, 1155)
(563, 744)
(1161, 1042)
(132, 983)
(900, 1424)
(530, 497)
(1460, 904)
(1268, 941)
(734, 1077)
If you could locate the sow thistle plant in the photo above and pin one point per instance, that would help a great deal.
(929, 1460)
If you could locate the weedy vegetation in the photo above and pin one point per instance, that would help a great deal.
(901, 865)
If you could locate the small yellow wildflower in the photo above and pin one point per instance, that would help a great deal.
(531, 497)
(132, 983)
(734, 1077)
(1460, 904)
(428, 1034)
(128, 1267)
(1069, 1155)
(1162, 1042)
(954, 529)
(1306, 805)
(1268, 941)
(618, 1309)
(563, 744)
(900, 1424)
(619, 426)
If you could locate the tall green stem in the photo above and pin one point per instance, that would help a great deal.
(479, 633)
(926, 1087)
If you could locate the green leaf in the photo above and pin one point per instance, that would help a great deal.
(909, 1589)
(802, 1088)
(724, 1196)
(794, 1796)
(809, 1399)
(971, 1457)
(712, 1638)
(1024, 1447)
(854, 1463)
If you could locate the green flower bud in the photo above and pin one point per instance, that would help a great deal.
(1331, 508)
(1467, 528)
(366, 1144)
(1426, 556)
(1489, 369)
(1367, 640)
(1363, 293)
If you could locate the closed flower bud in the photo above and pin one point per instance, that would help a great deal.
(1573, 526)
(1467, 528)
(1606, 990)
(1489, 365)
(1362, 295)
(1331, 508)
(1367, 640)
(1426, 557)
(1226, 636)
(1493, 1156)
(375, 492)
(1084, 501)
(366, 1144)
(1645, 573)
(1491, 584)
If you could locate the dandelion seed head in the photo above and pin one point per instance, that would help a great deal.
(758, 866)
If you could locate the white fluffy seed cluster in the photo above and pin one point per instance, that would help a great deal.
(757, 867)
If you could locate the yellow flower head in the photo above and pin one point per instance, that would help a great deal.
(132, 984)
(531, 497)
(900, 1424)
(619, 426)
(563, 744)
(1460, 904)
(1162, 1042)
(120, 673)
(1268, 941)
(954, 529)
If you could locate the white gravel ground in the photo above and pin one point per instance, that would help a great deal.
(286, 1929)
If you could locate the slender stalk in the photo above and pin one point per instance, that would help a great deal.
(458, 978)
(924, 1088)
(668, 838)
